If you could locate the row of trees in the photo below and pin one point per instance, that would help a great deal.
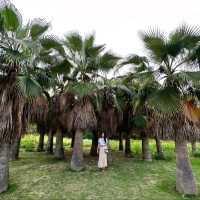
(62, 84)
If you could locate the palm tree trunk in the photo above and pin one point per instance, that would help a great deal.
(50, 142)
(194, 147)
(145, 147)
(121, 147)
(159, 148)
(4, 167)
(15, 142)
(185, 181)
(110, 159)
(59, 150)
(40, 147)
(93, 150)
(127, 145)
(14, 148)
(77, 155)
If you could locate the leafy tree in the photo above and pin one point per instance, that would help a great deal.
(171, 57)
(85, 61)
(19, 46)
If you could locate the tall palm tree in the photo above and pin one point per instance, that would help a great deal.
(170, 60)
(86, 60)
(114, 114)
(19, 45)
(143, 84)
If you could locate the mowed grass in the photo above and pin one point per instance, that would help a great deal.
(38, 176)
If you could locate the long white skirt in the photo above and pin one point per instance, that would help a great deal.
(102, 163)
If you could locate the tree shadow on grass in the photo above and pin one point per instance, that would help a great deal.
(12, 188)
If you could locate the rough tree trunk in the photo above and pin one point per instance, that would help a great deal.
(110, 159)
(4, 167)
(127, 145)
(159, 148)
(194, 147)
(77, 155)
(59, 150)
(50, 142)
(15, 142)
(146, 153)
(121, 146)
(14, 148)
(185, 181)
(93, 150)
(40, 147)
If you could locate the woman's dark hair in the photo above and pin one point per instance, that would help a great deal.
(104, 137)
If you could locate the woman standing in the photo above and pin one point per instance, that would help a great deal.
(103, 151)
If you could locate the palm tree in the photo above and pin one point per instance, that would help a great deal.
(86, 61)
(110, 114)
(170, 57)
(18, 47)
(111, 102)
(143, 84)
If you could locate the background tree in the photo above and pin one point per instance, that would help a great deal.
(170, 58)
(86, 60)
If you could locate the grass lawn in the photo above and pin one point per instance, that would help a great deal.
(38, 176)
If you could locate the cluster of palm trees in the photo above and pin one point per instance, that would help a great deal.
(63, 86)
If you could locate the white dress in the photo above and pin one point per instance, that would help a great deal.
(102, 144)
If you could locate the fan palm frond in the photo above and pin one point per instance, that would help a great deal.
(155, 42)
(38, 27)
(12, 18)
(30, 88)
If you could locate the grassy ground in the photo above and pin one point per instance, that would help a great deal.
(38, 176)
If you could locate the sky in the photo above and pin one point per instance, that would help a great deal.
(116, 23)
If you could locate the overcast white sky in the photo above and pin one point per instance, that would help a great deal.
(115, 22)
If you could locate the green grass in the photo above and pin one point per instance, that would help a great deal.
(38, 176)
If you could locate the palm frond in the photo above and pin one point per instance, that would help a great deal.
(38, 27)
(52, 42)
(135, 59)
(108, 61)
(155, 42)
(82, 89)
(187, 35)
(74, 41)
(28, 86)
(189, 76)
(94, 51)
(165, 100)
(63, 67)
(12, 18)
(89, 41)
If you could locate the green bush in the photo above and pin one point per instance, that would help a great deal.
(29, 143)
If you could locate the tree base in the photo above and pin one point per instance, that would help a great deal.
(14, 149)
(145, 148)
(77, 163)
(185, 181)
(59, 154)
(76, 168)
(4, 168)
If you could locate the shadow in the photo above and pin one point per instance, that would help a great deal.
(12, 188)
